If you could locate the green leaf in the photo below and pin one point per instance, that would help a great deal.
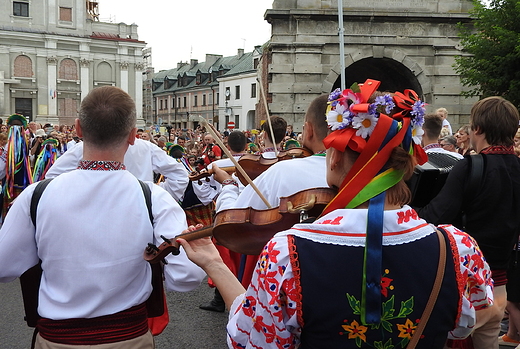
(388, 308)
(355, 88)
(358, 342)
(388, 344)
(379, 345)
(406, 308)
(387, 326)
(354, 304)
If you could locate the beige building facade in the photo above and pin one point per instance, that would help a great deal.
(53, 52)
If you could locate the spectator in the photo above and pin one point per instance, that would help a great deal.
(443, 113)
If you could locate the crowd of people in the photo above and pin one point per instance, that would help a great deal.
(368, 271)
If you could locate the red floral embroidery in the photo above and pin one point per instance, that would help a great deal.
(406, 216)
(335, 221)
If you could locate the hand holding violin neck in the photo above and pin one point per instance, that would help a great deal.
(154, 254)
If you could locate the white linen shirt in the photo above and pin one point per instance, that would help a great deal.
(91, 232)
(282, 179)
(142, 159)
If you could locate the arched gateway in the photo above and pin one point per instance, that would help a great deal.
(403, 43)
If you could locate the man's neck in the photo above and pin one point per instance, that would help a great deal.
(112, 154)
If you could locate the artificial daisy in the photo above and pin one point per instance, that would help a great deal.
(365, 124)
(339, 117)
(417, 133)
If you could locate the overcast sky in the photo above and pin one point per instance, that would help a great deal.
(181, 30)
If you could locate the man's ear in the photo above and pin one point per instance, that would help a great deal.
(77, 126)
(477, 131)
(132, 136)
(309, 130)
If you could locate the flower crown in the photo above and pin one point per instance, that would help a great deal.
(350, 109)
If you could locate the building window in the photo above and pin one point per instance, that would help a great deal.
(184, 102)
(160, 104)
(237, 117)
(237, 92)
(66, 14)
(166, 103)
(173, 102)
(178, 102)
(23, 67)
(216, 99)
(255, 63)
(195, 101)
(21, 9)
(203, 99)
(228, 93)
(68, 70)
(253, 90)
(67, 107)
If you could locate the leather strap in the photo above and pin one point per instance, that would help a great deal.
(433, 295)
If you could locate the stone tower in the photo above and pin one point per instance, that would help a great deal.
(403, 43)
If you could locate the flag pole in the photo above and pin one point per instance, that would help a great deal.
(341, 33)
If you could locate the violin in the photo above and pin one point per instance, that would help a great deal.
(247, 230)
(198, 175)
(256, 164)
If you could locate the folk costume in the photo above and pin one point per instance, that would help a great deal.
(45, 159)
(94, 274)
(18, 174)
(344, 280)
(142, 159)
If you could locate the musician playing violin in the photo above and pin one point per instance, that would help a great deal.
(284, 178)
(362, 273)
(95, 281)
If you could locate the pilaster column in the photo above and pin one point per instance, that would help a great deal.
(51, 83)
(124, 76)
(139, 67)
(84, 76)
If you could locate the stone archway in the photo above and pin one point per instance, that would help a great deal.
(393, 75)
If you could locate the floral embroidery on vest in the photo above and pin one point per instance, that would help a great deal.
(357, 331)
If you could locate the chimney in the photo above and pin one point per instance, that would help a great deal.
(193, 62)
(240, 52)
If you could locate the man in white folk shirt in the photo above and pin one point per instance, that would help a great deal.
(283, 178)
(142, 159)
(91, 243)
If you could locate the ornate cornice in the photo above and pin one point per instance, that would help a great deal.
(52, 60)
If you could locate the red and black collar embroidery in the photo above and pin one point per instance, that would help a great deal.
(101, 165)
(498, 149)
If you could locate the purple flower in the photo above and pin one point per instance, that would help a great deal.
(335, 94)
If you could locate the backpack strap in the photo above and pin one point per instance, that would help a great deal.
(37, 194)
(476, 173)
(148, 198)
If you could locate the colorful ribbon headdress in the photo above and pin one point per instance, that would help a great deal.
(365, 127)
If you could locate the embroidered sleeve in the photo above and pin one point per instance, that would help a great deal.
(265, 316)
(474, 280)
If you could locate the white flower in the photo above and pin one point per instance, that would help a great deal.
(417, 133)
(338, 118)
(365, 124)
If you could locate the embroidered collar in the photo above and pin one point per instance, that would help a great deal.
(271, 149)
(320, 153)
(432, 146)
(101, 165)
(498, 149)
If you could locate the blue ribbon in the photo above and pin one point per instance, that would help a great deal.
(372, 268)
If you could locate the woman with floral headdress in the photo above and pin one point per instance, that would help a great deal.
(362, 273)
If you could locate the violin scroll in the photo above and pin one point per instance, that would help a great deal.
(154, 254)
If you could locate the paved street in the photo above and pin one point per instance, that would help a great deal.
(189, 326)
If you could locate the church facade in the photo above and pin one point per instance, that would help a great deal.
(53, 52)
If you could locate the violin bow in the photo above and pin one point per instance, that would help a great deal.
(264, 98)
(235, 162)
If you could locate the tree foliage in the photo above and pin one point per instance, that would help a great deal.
(493, 42)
